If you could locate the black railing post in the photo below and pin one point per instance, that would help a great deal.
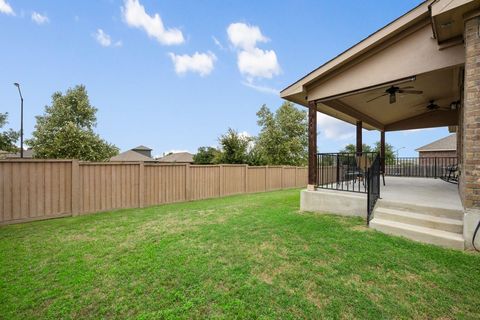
(338, 170)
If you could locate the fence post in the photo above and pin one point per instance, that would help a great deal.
(221, 183)
(75, 188)
(141, 184)
(188, 180)
(267, 178)
(246, 178)
(296, 183)
(282, 178)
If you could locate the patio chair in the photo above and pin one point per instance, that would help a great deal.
(452, 173)
(363, 163)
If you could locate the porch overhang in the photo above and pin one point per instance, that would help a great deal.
(408, 52)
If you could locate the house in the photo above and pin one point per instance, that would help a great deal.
(146, 151)
(419, 71)
(27, 154)
(178, 157)
(444, 147)
(137, 154)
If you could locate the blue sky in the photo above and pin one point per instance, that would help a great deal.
(174, 75)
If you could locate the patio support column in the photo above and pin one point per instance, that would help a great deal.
(382, 150)
(312, 145)
(470, 130)
(359, 137)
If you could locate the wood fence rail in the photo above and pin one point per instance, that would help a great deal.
(45, 189)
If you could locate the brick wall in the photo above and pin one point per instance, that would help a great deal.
(470, 182)
(437, 154)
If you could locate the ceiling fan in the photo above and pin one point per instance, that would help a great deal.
(432, 106)
(392, 93)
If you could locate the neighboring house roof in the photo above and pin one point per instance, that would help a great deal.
(26, 154)
(130, 155)
(143, 148)
(445, 144)
(183, 157)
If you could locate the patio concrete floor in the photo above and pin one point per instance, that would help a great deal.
(427, 192)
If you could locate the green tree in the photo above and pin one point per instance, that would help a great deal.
(283, 138)
(255, 158)
(65, 130)
(206, 155)
(8, 137)
(351, 148)
(234, 147)
(389, 152)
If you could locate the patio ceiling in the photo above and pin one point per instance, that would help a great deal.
(409, 111)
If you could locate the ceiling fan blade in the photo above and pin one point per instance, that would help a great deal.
(383, 95)
(409, 87)
(393, 98)
(410, 91)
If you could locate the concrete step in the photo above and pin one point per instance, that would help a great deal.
(434, 211)
(419, 219)
(422, 234)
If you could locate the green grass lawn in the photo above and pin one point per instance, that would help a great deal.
(249, 256)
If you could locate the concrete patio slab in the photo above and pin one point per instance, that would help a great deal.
(426, 192)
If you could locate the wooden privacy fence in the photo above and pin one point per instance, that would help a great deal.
(43, 189)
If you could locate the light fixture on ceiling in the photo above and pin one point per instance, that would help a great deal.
(455, 105)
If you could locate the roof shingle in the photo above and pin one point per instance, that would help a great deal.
(448, 143)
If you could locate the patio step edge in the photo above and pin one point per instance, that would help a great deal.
(434, 211)
(421, 234)
(420, 219)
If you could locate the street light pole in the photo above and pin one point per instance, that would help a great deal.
(396, 151)
(21, 118)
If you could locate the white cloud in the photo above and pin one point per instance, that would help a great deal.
(102, 38)
(135, 16)
(244, 134)
(260, 88)
(258, 63)
(39, 18)
(252, 61)
(333, 128)
(6, 8)
(201, 63)
(244, 36)
(105, 40)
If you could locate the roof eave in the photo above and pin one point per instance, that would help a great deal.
(361, 47)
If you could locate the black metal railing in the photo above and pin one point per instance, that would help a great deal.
(425, 167)
(344, 171)
(373, 186)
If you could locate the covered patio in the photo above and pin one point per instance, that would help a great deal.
(420, 71)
